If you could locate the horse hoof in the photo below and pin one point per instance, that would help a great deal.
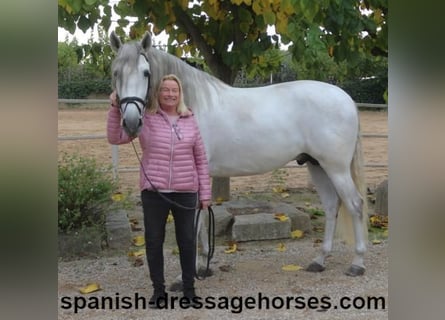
(315, 267)
(355, 271)
(204, 272)
(176, 287)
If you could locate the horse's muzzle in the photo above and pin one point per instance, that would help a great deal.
(132, 118)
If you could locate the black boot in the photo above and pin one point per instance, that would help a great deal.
(158, 300)
(190, 297)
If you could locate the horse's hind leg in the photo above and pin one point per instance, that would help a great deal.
(330, 201)
(353, 202)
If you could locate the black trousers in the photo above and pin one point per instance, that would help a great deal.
(156, 211)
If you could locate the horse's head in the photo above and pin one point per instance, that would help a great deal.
(131, 80)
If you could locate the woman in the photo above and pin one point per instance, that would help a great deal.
(174, 169)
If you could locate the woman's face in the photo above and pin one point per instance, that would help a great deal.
(169, 94)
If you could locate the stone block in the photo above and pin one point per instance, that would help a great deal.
(118, 230)
(259, 226)
(299, 220)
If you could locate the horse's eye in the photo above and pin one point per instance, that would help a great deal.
(146, 73)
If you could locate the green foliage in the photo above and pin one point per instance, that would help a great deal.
(367, 90)
(84, 69)
(81, 89)
(233, 34)
(84, 195)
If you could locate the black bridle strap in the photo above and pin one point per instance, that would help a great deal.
(144, 102)
(132, 99)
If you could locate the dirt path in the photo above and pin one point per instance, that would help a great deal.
(252, 272)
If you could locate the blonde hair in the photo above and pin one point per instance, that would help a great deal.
(181, 108)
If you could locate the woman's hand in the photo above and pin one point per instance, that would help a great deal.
(113, 99)
(205, 204)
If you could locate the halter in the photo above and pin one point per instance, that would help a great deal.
(133, 100)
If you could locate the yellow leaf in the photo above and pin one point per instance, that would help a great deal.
(117, 197)
(90, 287)
(281, 216)
(175, 250)
(291, 267)
(274, 189)
(231, 249)
(284, 195)
(297, 234)
(376, 241)
(137, 253)
(219, 201)
(138, 241)
(170, 218)
(281, 247)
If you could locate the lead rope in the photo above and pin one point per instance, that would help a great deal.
(210, 239)
(211, 226)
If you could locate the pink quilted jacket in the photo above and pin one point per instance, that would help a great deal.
(173, 158)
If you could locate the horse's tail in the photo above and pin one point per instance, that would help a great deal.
(344, 228)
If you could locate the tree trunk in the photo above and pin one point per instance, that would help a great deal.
(220, 189)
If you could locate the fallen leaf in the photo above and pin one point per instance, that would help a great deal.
(135, 227)
(297, 234)
(285, 195)
(138, 241)
(231, 249)
(134, 220)
(378, 221)
(281, 216)
(376, 241)
(137, 253)
(225, 268)
(281, 247)
(278, 189)
(219, 201)
(175, 250)
(90, 287)
(118, 196)
(170, 218)
(138, 262)
(291, 267)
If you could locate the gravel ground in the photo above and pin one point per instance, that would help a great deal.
(252, 271)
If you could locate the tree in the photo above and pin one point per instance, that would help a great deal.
(233, 34)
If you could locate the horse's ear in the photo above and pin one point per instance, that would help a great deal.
(146, 41)
(115, 42)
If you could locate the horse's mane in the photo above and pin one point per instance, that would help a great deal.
(198, 85)
(201, 90)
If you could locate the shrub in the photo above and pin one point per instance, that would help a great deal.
(85, 192)
(366, 90)
(80, 89)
